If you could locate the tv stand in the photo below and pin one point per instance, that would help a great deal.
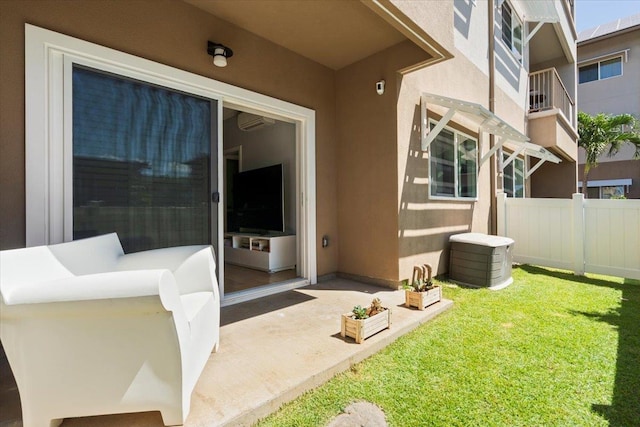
(270, 253)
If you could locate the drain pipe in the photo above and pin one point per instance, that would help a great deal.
(493, 211)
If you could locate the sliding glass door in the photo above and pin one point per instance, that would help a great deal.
(144, 162)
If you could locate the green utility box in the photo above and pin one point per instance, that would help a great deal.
(481, 260)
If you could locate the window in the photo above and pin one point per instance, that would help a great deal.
(600, 70)
(611, 68)
(593, 192)
(606, 192)
(612, 192)
(512, 30)
(453, 165)
(513, 177)
(607, 188)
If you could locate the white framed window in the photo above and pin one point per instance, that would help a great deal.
(513, 177)
(511, 30)
(600, 70)
(453, 165)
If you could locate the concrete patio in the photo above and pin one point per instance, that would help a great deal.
(272, 350)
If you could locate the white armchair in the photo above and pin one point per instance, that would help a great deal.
(89, 331)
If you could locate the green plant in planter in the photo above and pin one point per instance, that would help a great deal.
(359, 312)
(375, 307)
(416, 285)
(421, 280)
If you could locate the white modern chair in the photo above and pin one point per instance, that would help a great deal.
(89, 330)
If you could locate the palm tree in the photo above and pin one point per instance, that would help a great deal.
(603, 131)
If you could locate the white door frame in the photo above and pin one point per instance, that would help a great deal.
(229, 153)
(47, 56)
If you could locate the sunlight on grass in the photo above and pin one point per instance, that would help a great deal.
(543, 351)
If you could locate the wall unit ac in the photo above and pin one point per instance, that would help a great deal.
(249, 122)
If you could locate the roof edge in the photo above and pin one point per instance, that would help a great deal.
(405, 25)
(611, 34)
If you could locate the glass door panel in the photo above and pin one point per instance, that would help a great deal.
(144, 162)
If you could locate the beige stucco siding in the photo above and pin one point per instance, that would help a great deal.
(549, 131)
(435, 17)
(367, 176)
(554, 181)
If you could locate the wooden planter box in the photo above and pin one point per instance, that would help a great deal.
(423, 300)
(360, 329)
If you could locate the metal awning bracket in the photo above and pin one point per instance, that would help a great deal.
(515, 154)
(428, 137)
(533, 32)
(533, 169)
(495, 148)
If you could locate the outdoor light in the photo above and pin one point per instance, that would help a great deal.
(220, 53)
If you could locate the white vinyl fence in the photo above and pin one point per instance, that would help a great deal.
(582, 235)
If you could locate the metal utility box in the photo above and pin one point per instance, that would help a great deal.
(481, 260)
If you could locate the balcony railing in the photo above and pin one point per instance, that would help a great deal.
(547, 92)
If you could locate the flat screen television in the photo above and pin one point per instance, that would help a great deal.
(258, 200)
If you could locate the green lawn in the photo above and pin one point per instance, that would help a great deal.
(552, 349)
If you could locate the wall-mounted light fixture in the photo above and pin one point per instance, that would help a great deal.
(220, 53)
(380, 87)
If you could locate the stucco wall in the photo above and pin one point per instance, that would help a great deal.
(367, 177)
(470, 26)
(550, 131)
(173, 33)
(435, 17)
(551, 180)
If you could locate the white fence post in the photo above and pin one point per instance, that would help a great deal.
(578, 233)
(501, 213)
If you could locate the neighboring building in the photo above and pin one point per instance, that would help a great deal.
(396, 122)
(609, 82)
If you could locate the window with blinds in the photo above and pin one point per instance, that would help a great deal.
(600, 70)
(141, 162)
